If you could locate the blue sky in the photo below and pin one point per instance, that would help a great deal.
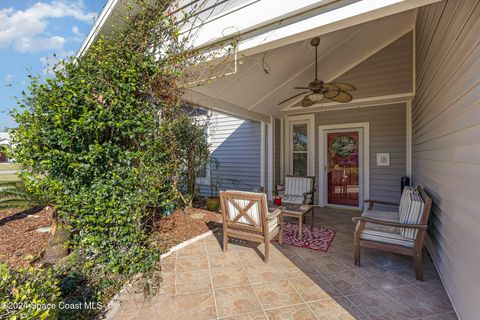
(31, 31)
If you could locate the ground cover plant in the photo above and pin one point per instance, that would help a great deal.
(108, 141)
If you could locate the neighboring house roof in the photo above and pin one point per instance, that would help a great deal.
(4, 138)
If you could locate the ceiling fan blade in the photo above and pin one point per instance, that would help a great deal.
(342, 86)
(294, 96)
(306, 102)
(301, 88)
(342, 97)
(332, 91)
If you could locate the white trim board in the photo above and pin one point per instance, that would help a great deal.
(355, 103)
(309, 119)
(262, 154)
(365, 176)
(270, 156)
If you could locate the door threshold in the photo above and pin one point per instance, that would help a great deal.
(333, 206)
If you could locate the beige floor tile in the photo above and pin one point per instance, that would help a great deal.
(232, 276)
(377, 305)
(349, 282)
(214, 248)
(236, 301)
(332, 309)
(192, 281)
(168, 264)
(381, 278)
(191, 263)
(193, 249)
(308, 289)
(199, 305)
(167, 284)
(224, 260)
(262, 272)
(276, 294)
(288, 269)
(297, 312)
(260, 315)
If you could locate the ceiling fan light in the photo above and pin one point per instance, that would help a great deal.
(316, 96)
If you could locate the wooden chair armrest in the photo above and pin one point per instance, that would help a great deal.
(309, 192)
(274, 214)
(391, 223)
(372, 202)
(278, 187)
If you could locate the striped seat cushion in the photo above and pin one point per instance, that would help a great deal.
(293, 199)
(297, 186)
(411, 213)
(381, 233)
(404, 200)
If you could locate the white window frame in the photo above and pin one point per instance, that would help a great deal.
(309, 120)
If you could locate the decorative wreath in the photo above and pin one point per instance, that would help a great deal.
(343, 146)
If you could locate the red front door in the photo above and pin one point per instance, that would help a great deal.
(343, 168)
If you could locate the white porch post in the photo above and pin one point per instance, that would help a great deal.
(271, 167)
(262, 154)
(282, 151)
(409, 140)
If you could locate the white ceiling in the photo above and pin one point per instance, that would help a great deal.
(252, 92)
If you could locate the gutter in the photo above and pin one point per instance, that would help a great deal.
(99, 22)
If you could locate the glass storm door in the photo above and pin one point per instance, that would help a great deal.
(342, 167)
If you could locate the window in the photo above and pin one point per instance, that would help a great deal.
(203, 174)
(299, 149)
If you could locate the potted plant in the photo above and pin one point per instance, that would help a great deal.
(213, 202)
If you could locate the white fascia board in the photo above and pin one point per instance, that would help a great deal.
(107, 10)
(280, 32)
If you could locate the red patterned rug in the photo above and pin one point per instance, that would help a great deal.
(317, 239)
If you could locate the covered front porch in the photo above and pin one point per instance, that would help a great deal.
(356, 150)
(202, 282)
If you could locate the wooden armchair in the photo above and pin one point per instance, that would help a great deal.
(246, 216)
(400, 232)
(297, 189)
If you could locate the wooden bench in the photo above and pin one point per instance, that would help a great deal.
(401, 231)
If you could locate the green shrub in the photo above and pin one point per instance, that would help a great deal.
(28, 294)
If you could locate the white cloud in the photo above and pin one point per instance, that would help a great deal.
(23, 29)
(9, 79)
(39, 44)
(78, 36)
(50, 62)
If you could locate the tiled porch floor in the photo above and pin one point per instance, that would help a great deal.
(202, 282)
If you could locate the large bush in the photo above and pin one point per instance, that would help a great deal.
(100, 140)
(28, 294)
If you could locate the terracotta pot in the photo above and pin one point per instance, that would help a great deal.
(213, 203)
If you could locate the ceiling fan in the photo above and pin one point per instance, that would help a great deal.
(319, 90)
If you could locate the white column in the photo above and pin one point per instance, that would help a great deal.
(271, 167)
(262, 154)
(282, 151)
(409, 140)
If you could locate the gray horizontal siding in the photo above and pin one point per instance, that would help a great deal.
(446, 143)
(389, 71)
(387, 134)
(235, 143)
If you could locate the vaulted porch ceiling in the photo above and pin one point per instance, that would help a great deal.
(263, 79)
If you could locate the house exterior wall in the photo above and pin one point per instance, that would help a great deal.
(446, 143)
(387, 134)
(235, 143)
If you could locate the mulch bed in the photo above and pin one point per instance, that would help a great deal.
(181, 226)
(20, 243)
(19, 240)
